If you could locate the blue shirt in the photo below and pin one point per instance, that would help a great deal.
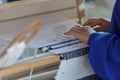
(104, 54)
(5, 1)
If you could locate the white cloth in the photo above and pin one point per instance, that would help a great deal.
(12, 55)
(75, 68)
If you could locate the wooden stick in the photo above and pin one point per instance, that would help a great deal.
(28, 66)
(81, 13)
(51, 68)
(35, 26)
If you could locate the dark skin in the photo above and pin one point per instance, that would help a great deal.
(83, 34)
(103, 23)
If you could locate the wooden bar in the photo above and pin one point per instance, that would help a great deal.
(32, 7)
(81, 13)
(24, 67)
(25, 8)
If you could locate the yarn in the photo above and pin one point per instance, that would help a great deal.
(12, 55)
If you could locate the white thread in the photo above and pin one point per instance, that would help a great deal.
(35, 52)
(72, 24)
(30, 76)
(74, 69)
(86, 5)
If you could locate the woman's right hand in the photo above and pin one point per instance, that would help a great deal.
(103, 23)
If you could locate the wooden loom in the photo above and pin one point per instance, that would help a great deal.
(33, 8)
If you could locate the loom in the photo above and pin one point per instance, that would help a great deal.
(42, 60)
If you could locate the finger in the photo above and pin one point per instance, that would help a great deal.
(76, 28)
(72, 32)
(69, 32)
(97, 29)
(79, 29)
(75, 31)
(91, 22)
(82, 29)
(87, 23)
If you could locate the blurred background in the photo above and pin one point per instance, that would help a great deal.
(99, 8)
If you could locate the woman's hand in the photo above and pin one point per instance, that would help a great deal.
(103, 23)
(80, 33)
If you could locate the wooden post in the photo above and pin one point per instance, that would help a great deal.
(81, 13)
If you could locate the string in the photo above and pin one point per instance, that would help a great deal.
(35, 52)
(30, 76)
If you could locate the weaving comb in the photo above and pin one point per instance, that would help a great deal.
(35, 26)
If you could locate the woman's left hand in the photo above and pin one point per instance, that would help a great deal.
(80, 33)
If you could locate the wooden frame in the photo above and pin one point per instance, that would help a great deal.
(28, 66)
(15, 10)
(26, 8)
(21, 36)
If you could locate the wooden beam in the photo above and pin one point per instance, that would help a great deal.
(28, 66)
(35, 72)
(31, 7)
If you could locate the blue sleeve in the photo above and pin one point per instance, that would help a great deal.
(4, 1)
(104, 55)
